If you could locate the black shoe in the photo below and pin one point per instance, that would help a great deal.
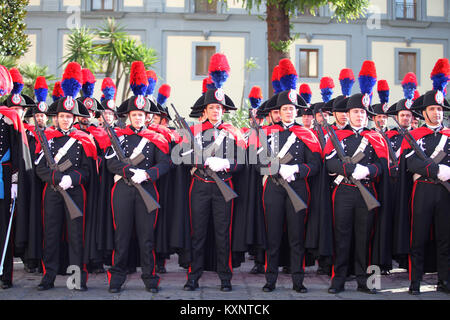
(257, 269)
(385, 272)
(152, 290)
(190, 285)
(225, 286)
(269, 287)
(29, 270)
(114, 290)
(366, 289)
(43, 286)
(6, 284)
(443, 286)
(333, 290)
(161, 269)
(414, 288)
(98, 270)
(300, 288)
(82, 288)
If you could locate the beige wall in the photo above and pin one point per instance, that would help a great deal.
(435, 8)
(334, 59)
(186, 91)
(383, 54)
(31, 55)
(133, 3)
(73, 3)
(234, 4)
(380, 4)
(175, 3)
(34, 2)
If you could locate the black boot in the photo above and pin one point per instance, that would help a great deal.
(443, 286)
(414, 288)
(190, 285)
(225, 286)
(269, 287)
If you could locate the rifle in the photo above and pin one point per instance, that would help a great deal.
(72, 207)
(297, 202)
(318, 128)
(226, 191)
(369, 199)
(420, 153)
(149, 201)
(8, 233)
(392, 155)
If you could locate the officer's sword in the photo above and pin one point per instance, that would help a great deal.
(5, 247)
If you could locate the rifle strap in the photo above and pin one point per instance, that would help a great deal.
(63, 151)
(290, 141)
(139, 147)
(362, 146)
(440, 147)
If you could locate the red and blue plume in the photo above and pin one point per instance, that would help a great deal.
(367, 77)
(383, 91)
(163, 94)
(288, 74)
(208, 84)
(255, 96)
(88, 83)
(276, 84)
(5, 81)
(57, 91)
(108, 89)
(72, 79)
(219, 69)
(40, 89)
(347, 80)
(409, 85)
(138, 78)
(17, 81)
(102, 98)
(326, 88)
(152, 80)
(305, 92)
(416, 95)
(440, 74)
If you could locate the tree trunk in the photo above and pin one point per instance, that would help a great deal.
(277, 30)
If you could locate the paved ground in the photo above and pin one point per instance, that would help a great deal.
(245, 287)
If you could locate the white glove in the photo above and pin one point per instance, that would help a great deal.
(139, 175)
(444, 172)
(66, 182)
(217, 164)
(288, 172)
(360, 172)
(14, 190)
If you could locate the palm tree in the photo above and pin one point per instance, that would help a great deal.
(8, 61)
(30, 72)
(112, 32)
(82, 50)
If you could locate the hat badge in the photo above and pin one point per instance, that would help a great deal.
(385, 107)
(16, 99)
(219, 95)
(42, 106)
(366, 101)
(89, 103)
(439, 97)
(110, 104)
(408, 104)
(68, 103)
(292, 96)
(139, 102)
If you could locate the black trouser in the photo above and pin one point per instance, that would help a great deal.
(129, 211)
(351, 217)
(278, 209)
(431, 206)
(5, 215)
(54, 212)
(205, 200)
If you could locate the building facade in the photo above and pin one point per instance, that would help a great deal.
(399, 35)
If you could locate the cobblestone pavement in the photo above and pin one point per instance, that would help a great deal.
(245, 287)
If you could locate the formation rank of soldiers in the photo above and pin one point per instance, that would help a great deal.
(91, 191)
